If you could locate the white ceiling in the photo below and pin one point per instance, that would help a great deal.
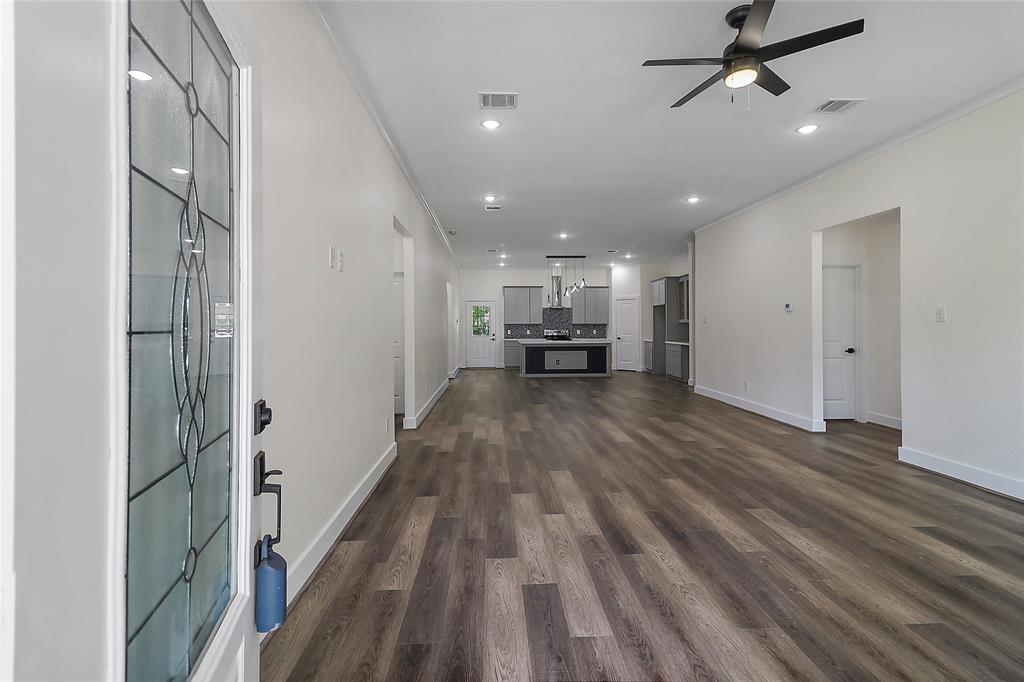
(595, 151)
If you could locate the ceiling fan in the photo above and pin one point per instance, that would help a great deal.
(743, 60)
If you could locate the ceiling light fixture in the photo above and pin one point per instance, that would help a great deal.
(563, 235)
(501, 265)
(693, 200)
(140, 75)
(491, 125)
(178, 171)
(629, 255)
(739, 73)
(504, 255)
(489, 197)
(807, 129)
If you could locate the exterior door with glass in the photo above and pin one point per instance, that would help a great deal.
(480, 334)
(191, 341)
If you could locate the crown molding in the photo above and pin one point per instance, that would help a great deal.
(992, 96)
(346, 54)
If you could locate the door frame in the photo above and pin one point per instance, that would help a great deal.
(469, 332)
(860, 302)
(637, 342)
(234, 646)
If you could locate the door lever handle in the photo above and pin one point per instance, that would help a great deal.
(851, 351)
(260, 486)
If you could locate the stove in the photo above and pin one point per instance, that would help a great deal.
(556, 334)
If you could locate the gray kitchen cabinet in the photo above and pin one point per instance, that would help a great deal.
(649, 356)
(513, 351)
(523, 304)
(658, 291)
(536, 305)
(578, 301)
(597, 305)
(674, 360)
(511, 305)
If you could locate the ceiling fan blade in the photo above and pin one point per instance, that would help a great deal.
(809, 40)
(700, 61)
(771, 81)
(699, 89)
(750, 35)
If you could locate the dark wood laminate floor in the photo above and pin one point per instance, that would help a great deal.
(626, 529)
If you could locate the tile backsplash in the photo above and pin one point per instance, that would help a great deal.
(555, 318)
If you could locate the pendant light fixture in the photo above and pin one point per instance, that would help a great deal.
(559, 273)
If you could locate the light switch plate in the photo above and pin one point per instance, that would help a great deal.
(340, 260)
(941, 314)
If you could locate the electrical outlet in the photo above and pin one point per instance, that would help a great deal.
(941, 314)
(705, 319)
(332, 257)
(746, 385)
(594, 331)
(341, 260)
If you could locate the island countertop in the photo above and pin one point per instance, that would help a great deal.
(568, 342)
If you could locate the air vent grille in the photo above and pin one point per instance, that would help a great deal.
(492, 207)
(492, 251)
(836, 105)
(499, 100)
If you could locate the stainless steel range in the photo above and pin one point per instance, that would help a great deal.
(556, 334)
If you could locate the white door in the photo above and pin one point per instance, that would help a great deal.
(626, 351)
(839, 333)
(480, 338)
(398, 340)
(194, 349)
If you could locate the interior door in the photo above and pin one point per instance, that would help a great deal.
(625, 333)
(192, 344)
(480, 334)
(398, 340)
(839, 333)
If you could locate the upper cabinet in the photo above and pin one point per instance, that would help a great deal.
(658, 291)
(590, 306)
(523, 305)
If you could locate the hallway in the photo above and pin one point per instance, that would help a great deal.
(628, 529)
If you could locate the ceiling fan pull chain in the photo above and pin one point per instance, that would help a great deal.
(748, 99)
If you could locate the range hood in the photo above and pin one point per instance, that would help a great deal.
(556, 291)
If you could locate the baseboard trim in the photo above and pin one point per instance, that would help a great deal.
(454, 373)
(412, 423)
(813, 425)
(982, 478)
(885, 420)
(307, 562)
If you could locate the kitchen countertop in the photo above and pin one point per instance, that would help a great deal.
(570, 342)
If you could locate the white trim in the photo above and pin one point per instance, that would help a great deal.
(353, 68)
(994, 95)
(796, 420)
(421, 416)
(454, 373)
(117, 384)
(885, 420)
(8, 358)
(1000, 483)
(308, 560)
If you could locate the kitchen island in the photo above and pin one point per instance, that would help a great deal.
(565, 358)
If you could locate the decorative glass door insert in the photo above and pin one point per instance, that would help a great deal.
(182, 127)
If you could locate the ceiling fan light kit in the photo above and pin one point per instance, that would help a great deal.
(743, 60)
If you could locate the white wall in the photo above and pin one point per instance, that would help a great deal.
(958, 188)
(873, 245)
(485, 284)
(330, 178)
(65, 329)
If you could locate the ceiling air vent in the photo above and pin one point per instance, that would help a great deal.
(492, 207)
(492, 251)
(499, 100)
(836, 105)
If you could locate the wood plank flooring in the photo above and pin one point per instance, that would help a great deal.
(627, 529)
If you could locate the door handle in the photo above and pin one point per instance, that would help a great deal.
(618, 338)
(260, 486)
(851, 351)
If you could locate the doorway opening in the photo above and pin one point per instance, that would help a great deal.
(403, 345)
(856, 296)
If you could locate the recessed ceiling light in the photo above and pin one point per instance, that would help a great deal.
(563, 235)
(140, 75)
(489, 197)
(504, 255)
(558, 265)
(179, 171)
(611, 265)
(501, 264)
(491, 125)
(807, 129)
(693, 200)
(629, 255)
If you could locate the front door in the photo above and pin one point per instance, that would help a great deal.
(839, 333)
(192, 375)
(480, 337)
(625, 333)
